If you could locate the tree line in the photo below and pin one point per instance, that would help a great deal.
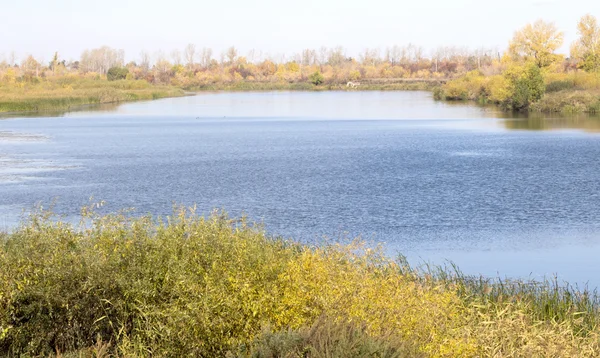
(195, 66)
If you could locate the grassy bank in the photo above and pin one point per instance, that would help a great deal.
(527, 88)
(577, 92)
(189, 286)
(69, 92)
(371, 85)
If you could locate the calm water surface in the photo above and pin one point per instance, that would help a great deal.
(430, 180)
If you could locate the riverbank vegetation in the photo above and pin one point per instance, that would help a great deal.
(193, 286)
(532, 76)
(69, 92)
(101, 75)
(528, 75)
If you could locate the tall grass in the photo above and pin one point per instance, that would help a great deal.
(71, 91)
(192, 286)
(306, 86)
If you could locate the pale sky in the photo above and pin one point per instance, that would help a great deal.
(40, 27)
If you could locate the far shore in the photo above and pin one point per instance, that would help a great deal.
(52, 97)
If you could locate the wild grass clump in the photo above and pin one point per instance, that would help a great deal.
(194, 286)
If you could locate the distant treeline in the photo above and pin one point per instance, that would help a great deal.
(517, 77)
(195, 67)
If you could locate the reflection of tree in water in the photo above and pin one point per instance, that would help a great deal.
(104, 107)
(537, 121)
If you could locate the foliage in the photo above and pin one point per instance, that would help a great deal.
(193, 286)
(587, 48)
(316, 78)
(526, 85)
(537, 42)
(519, 86)
(470, 86)
(117, 73)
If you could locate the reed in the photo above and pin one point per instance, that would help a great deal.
(68, 92)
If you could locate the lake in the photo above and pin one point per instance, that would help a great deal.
(499, 196)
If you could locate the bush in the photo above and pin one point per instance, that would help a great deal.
(117, 73)
(471, 86)
(212, 287)
(316, 78)
(526, 85)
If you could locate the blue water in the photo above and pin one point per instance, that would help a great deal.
(431, 180)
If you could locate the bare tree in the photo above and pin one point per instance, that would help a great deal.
(251, 57)
(370, 57)
(231, 54)
(190, 54)
(336, 56)
(101, 59)
(394, 55)
(12, 58)
(205, 56)
(323, 51)
(176, 57)
(309, 57)
(145, 60)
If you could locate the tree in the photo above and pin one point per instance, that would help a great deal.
(176, 57)
(370, 57)
(336, 56)
(101, 59)
(189, 54)
(231, 55)
(30, 67)
(587, 48)
(205, 56)
(537, 42)
(12, 58)
(145, 61)
(117, 73)
(54, 63)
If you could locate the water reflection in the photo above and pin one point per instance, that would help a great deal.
(104, 107)
(544, 122)
(416, 105)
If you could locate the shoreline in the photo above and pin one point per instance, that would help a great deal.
(56, 101)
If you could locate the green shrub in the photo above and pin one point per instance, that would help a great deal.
(117, 73)
(526, 85)
(316, 78)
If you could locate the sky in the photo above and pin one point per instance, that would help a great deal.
(275, 27)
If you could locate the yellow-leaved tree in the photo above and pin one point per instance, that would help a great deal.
(587, 48)
(537, 42)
